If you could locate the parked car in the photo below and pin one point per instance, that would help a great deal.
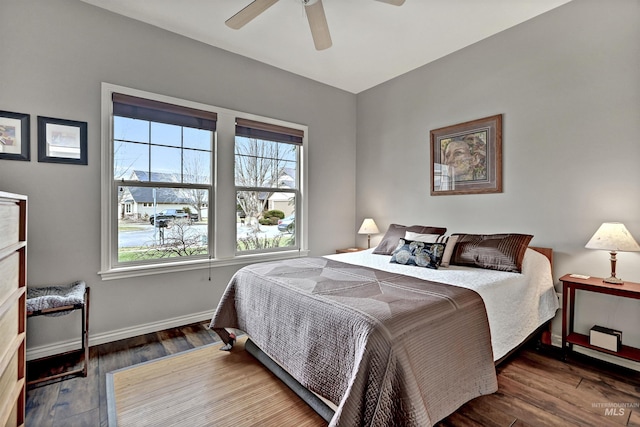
(193, 216)
(287, 224)
(168, 215)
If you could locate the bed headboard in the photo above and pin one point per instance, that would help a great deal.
(548, 252)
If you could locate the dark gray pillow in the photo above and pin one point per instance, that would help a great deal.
(395, 232)
(502, 252)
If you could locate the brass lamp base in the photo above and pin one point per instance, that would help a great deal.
(613, 281)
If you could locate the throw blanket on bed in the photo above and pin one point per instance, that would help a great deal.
(387, 349)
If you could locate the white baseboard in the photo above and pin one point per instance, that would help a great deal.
(556, 340)
(105, 337)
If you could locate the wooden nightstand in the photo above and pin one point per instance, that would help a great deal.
(592, 284)
(347, 250)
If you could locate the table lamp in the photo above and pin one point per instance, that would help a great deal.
(613, 237)
(368, 227)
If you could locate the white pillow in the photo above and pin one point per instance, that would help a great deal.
(417, 237)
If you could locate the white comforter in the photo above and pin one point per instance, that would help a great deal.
(517, 304)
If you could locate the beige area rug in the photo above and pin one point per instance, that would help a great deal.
(204, 387)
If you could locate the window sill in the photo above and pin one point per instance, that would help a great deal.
(148, 270)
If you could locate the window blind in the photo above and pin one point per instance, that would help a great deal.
(259, 130)
(156, 111)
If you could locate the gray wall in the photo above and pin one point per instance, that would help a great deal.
(568, 86)
(55, 54)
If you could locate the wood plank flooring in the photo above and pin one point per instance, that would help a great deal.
(536, 388)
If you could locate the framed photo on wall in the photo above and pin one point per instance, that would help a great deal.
(62, 141)
(14, 136)
(467, 158)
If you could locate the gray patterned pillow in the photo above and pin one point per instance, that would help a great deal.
(502, 252)
(420, 254)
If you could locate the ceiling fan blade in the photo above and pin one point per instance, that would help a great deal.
(318, 25)
(252, 10)
(393, 2)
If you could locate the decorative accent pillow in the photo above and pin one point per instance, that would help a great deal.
(395, 232)
(448, 249)
(502, 252)
(420, 254)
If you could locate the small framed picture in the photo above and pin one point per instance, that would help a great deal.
(62, 141)
(14, 136)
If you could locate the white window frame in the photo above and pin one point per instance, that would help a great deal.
(222, 206)
(276, 189)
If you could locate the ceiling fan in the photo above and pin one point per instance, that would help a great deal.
(315, 16)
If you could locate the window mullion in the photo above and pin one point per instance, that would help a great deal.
(150, 145)
(182, 154)
(266, 189)
(122, 182)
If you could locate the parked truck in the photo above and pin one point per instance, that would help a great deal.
(163, 217)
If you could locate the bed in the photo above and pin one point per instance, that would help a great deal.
(383, 343)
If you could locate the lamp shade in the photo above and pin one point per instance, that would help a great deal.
(368, 227)
(613, 236)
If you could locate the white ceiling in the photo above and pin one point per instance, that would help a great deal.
(372, 41)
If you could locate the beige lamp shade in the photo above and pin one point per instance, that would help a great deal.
(613, 236)
(368, 227)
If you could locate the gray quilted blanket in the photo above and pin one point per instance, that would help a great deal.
(386, 349)
(49, 297)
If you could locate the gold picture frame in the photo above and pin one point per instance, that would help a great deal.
(466, 158)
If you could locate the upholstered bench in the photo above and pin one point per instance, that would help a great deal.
(59, 301)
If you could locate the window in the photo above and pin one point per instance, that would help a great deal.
(162, 157)
(266, 178)
(191, 186)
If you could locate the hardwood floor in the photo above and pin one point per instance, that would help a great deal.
(536, 388)
(80, 402)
